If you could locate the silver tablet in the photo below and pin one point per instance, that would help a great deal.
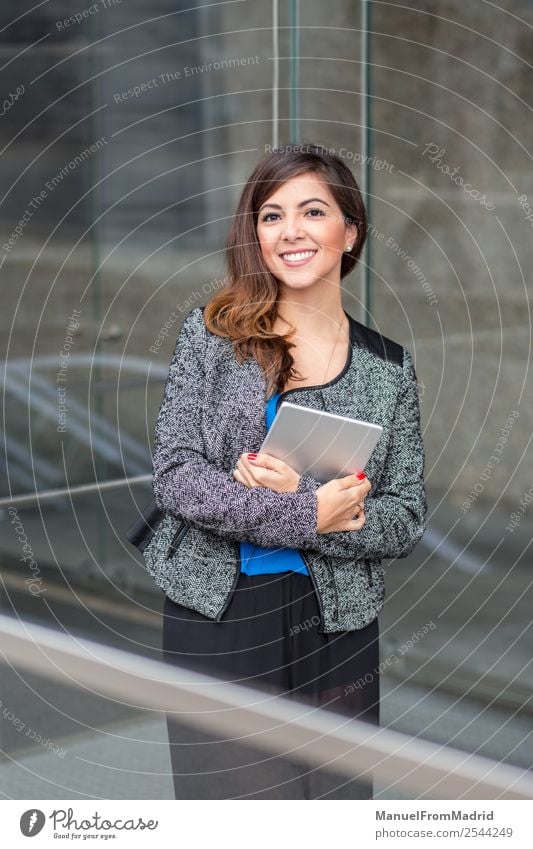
(323, 445)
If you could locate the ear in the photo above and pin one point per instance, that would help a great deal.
(351, 233)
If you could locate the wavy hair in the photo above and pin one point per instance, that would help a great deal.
(246, 308)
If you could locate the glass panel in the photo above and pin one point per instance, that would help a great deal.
(450, 242)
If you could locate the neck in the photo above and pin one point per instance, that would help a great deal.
(312, 316)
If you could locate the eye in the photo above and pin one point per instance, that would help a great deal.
(321, 213)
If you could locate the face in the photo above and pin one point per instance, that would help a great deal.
(302, 233)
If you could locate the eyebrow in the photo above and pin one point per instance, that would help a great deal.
(303, 203)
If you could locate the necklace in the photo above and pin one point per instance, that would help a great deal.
(343, 317)
(335, 345)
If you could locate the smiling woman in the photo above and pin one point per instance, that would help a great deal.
(299, 228)
(310, 232)
(277, 580)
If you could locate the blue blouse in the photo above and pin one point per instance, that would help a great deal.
(256, 560)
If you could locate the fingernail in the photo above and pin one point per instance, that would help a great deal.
(252, 456)
(360, 475)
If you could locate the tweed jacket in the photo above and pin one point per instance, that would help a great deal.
(213, 410)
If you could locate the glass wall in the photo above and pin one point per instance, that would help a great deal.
(127, 134)
(451, 246)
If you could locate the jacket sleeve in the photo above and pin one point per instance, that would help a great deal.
(396, 508)
(187, 485)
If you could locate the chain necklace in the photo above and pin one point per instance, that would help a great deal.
(329, 361)
(335, 345)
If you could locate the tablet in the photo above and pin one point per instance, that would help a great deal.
(323, 445)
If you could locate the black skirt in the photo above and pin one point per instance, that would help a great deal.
(268, 639)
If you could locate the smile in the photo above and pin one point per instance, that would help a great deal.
(293, 258)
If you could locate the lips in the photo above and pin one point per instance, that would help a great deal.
(297, 258)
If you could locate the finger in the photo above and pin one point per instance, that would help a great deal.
(254, 474)
(266, 461)
(251, 459)
(357, 499)
(356, 524)
(361, 490)
(257, 475)
(261, 470)
(246, 474)
(238, 477)
(354, 481)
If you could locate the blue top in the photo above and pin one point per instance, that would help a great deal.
(256, 560)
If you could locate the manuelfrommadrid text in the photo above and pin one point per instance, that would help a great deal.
(430, 815)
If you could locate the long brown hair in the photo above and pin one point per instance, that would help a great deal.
(245, 309)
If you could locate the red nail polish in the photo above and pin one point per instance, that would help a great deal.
(252, 456)
(361, 475)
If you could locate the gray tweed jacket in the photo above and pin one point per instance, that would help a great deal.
(213, 410)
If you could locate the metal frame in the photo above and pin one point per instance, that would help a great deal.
(272, 723)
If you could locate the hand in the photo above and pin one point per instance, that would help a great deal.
(339, 501)
(266, 471)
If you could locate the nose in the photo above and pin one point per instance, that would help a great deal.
(291, 228)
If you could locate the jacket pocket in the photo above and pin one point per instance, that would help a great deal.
(182, 529)
(194, 567)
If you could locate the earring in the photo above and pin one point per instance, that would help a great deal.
(348, 248)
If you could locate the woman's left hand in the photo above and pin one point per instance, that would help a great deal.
(267, 471)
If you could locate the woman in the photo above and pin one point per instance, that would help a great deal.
(274, 580)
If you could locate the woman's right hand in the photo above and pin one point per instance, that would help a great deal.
(339, 500)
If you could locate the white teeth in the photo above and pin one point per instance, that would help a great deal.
(298, 256)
